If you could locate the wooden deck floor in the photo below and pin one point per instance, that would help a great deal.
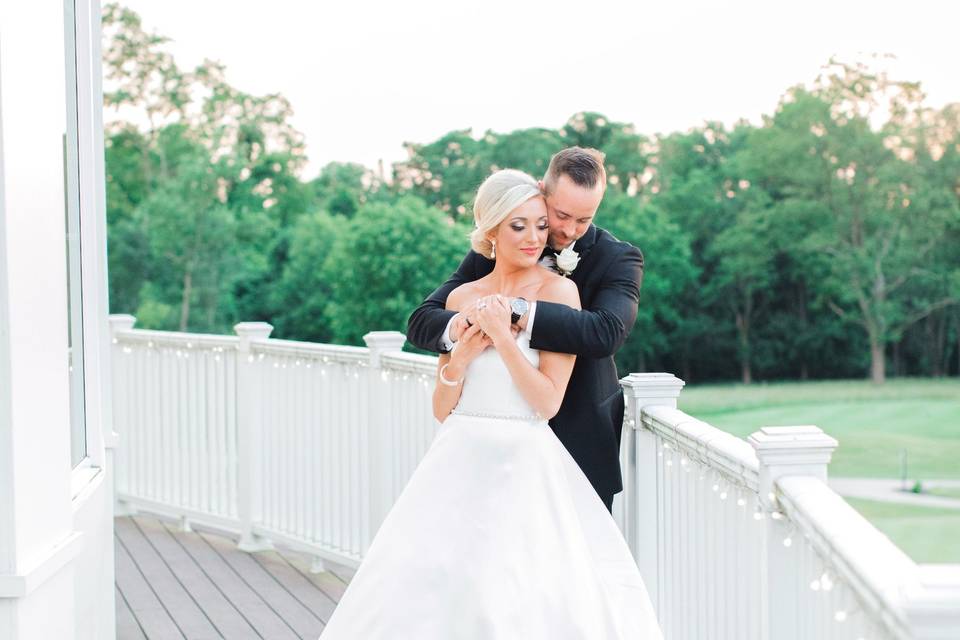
(175, 584)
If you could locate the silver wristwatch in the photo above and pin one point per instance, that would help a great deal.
(519, 308)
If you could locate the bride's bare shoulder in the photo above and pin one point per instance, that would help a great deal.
(556, 288)
(463, 294)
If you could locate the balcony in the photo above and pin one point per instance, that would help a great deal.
(291, 453)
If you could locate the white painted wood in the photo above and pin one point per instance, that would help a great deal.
(380, 425)
(250, 435)
(46, 499)
(932, 603)
(643, 525)
(342, 429)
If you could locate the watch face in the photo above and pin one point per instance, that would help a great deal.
(519, 306)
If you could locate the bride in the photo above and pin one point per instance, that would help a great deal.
(498, 534)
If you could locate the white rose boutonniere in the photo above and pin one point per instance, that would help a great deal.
(567, 260)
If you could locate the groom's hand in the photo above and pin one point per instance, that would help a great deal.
(461, 322)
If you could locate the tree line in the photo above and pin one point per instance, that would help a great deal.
(823, 242)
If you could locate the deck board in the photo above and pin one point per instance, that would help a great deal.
(196, 584)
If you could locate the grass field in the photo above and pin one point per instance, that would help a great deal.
(945, 492)
(873, 423)
(925, 534)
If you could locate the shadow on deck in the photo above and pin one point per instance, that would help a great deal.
(197, 584)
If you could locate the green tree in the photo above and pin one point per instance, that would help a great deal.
(384, 262)
(524, 149)
(668, 270)
(868, 213)
(191, 233)
(445, 173)
(303, 293)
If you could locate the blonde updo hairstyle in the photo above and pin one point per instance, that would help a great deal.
(499, 194)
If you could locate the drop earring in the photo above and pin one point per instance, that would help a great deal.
(493, 249)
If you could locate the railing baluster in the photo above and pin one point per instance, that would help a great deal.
(314, 456)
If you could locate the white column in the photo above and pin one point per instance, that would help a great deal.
(637, 507)
(379, 418)
(250, 435)
(114, 440)
(785, 451)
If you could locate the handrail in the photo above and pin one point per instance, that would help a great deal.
(877, 570)
(723, 452)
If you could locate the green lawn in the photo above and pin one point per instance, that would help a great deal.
(945, 492)
(925, 534)
(873, 423)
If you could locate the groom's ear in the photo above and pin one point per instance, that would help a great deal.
(540, 186)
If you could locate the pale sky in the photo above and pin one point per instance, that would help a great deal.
(364, 77)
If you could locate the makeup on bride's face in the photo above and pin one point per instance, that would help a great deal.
(525, 229)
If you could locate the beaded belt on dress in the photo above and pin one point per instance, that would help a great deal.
(536, 417)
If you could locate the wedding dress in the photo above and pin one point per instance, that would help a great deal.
(498, 535)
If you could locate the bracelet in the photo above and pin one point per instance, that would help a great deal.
(443, 379)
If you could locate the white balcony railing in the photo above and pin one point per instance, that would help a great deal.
(308, 445)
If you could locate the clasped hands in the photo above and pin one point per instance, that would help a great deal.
(488, 319)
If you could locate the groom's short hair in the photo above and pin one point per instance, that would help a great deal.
(582, 165)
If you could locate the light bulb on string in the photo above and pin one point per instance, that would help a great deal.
(826, 582)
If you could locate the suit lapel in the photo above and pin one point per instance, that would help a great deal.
(583, 247)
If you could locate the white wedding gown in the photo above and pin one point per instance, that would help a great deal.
(498, 535)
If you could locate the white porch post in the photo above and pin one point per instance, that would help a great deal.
(378, 419)
(250, 436)
(784, 451)
(636, 508)
(120, 322)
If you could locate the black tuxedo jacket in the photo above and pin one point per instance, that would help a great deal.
(608, 276)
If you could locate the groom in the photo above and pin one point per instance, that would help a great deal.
(608, 275)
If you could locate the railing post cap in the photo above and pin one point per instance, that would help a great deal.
(253, 329)
(932, 604)
(652, 385)
(384, 340)
(786, 438)
(121, 321)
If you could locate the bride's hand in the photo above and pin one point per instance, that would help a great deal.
(493, 317)
(469, 346)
